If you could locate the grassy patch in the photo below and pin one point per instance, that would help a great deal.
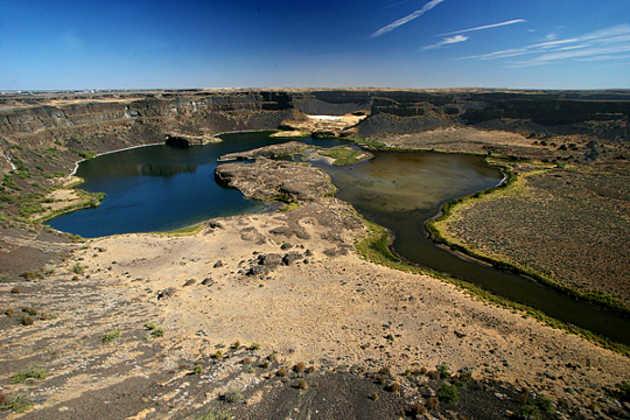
(156, 332)
(34, 372)
(343, 155)
(17, 403)
(109, 337)
(189, 231)
(290, 207)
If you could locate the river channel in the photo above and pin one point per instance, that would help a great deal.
(162, 188)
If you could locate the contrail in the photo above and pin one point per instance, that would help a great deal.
(478, 28)
(430, 5)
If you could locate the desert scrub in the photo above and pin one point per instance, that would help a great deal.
(218, 354)
(236, 345)
(299, 367)
(33, 371)
(448, 393)
(442, 369)
(233, 396)
(394, 387)
(197, 369)
(282, 372)
(26, 320)
(109, 337)
(254, 347)
(18, 403)
(32, 275)
(156, 332)
(78, 268)
(301, 384)
(9, 312)
(213, 415)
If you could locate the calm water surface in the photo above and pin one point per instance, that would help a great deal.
(163, 188)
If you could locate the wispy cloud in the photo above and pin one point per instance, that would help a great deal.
(605, 44)
(479, 28)
(394, 5)
(446, 41)
(386, 29)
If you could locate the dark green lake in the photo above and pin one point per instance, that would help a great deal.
(162, 188)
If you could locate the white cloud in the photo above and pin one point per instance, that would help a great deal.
(386, 29)
(605, 44)
(479, 28)
(551, 36)
(446, 41)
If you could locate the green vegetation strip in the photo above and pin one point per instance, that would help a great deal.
(375, 247)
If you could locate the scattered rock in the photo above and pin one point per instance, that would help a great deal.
(290, 257)
(189, 282)
(215, 225)
(218, 264)
(166, 293)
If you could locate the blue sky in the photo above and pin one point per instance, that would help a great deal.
(537, 44)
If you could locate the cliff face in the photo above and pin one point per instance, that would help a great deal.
(72, 125)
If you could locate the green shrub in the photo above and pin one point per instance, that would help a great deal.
(32, 275)
(233, 396)
(544, 404)
(78, 268)
(197, 369)
(32, 371)
(417, 409)
(18, 403)
(236, 345)
(254, 347)
(109, 337)
(157, 332)
(442, 369)
(448, 393)
(394, 387)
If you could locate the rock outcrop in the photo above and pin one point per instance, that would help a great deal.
(270, 152)
(265, 179)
